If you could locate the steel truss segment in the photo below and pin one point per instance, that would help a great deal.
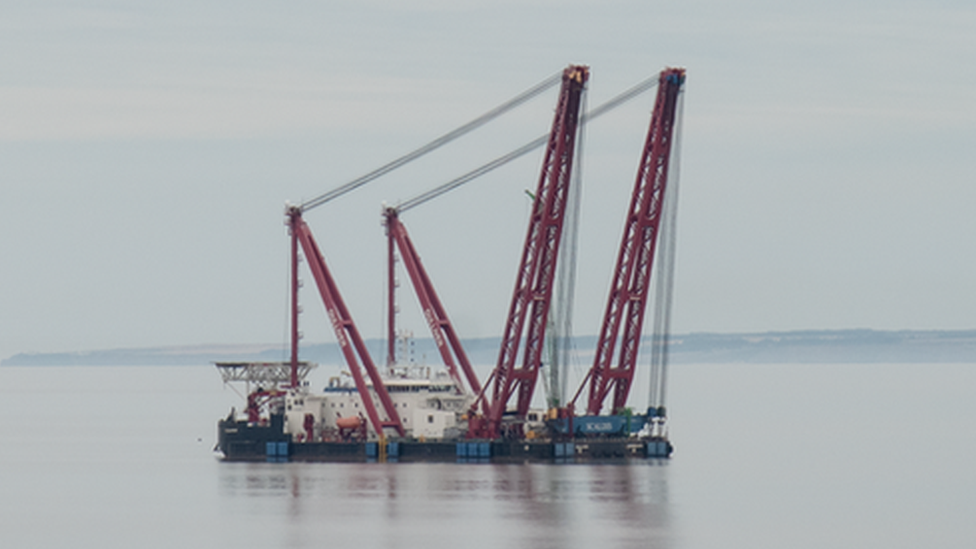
(627, 301)
(446, 338)
(269, 375)
(533, 287)
(349, 339)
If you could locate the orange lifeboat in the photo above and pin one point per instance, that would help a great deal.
(351, 422)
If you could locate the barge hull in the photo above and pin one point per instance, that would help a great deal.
(243, 441)
(240, 441)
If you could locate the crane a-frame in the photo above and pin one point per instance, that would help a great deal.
(350, 341)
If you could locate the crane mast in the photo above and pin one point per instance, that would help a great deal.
(531, 298)
(627, 301)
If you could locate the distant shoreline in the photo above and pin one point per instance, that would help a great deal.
(806, 346)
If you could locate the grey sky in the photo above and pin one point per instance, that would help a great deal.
(146, 153)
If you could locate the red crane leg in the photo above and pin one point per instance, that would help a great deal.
(533, 287)
(447, 340)
(294, 308)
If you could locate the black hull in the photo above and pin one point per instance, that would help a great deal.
(239, 441)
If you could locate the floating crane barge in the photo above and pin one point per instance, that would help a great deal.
(282, 434)
(410, 414)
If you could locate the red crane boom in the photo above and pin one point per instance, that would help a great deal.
(629, 291)
(533, 286)
(447, 340)
(350, 342)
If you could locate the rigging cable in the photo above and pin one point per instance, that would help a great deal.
(627, 95)
(435, 144)
(560, 332)
(660, 339)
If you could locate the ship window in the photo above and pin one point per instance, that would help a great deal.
(533, 417)
(341, 405)
(430, 419)
(404, 404)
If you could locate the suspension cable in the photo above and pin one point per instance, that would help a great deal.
(437, 143)
(661, 339)
(613, 103)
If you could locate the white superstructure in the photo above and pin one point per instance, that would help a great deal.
(430, 407)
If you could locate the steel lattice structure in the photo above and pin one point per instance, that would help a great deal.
(269, 375)
(531, 298)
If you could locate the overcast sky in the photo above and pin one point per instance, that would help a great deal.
(147, 150)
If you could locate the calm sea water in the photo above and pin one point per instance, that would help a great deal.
(766, 456)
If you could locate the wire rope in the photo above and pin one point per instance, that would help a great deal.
(433, 145)
(608, 106)
(560, 337)
(661, 337)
